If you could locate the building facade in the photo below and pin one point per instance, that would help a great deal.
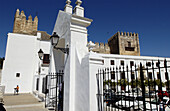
(22, 65)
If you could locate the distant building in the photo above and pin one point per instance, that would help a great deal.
(23, 26)
(124, 44)
(120, 43)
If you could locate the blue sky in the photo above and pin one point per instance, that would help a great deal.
(149, 18)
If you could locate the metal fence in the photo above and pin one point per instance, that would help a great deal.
(53, 89)
(135, 88)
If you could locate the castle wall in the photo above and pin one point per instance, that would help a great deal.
(124, 44)
(101, 48)
(23, 26)
(114, 44)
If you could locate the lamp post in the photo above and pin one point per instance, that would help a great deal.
(54, 41)
(40, 54)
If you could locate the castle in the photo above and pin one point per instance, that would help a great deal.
(23, 26)
(27, 27)
(22, 61)
(120, 43)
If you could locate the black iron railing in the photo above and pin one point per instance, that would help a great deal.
(54, 89)
(138, 87)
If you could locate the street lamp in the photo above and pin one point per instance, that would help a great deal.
(54, 41)
(40, 54)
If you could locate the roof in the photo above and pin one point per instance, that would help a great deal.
(44, 35)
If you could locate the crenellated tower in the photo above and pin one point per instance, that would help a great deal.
(23, 26)
(124, 43)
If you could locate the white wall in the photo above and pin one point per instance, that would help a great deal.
(96, 63)
(44, 69)
(19, 59)
(81, 67)
(62, 28)
(73, 29)
(22, 57)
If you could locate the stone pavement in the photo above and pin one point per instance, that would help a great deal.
(23, 102)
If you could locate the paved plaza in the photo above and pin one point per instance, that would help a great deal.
(23, 102)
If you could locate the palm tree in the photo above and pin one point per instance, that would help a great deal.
(167, 83)
(159, 83)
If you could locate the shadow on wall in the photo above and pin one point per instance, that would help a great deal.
(59, 55)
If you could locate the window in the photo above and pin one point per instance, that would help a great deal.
(148, 64)
(131, 63)
(157, 64)
(122, 75)
(129, 44)
(158, 75)
(44, 85)
(166, 75)
(113, 75)
(150, 75)
(46, 59)
(112, 62)
(122, 63)
(17, 74)
(129, 48)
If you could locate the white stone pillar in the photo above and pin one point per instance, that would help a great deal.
(78, 10)
(76, 83)
(73, 29)
(68, 8)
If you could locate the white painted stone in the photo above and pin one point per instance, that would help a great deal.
(22, 57)
(95, 63)
(72, 29)
(79, 11)
(68, 8)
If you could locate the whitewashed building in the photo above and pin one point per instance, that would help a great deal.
(81, 66)
(22, 65)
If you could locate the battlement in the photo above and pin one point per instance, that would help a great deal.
(128, 34)
(23, 26)
(124, 34)
(102, 48)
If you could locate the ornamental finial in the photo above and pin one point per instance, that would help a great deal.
(68, 2)
(79, 2)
